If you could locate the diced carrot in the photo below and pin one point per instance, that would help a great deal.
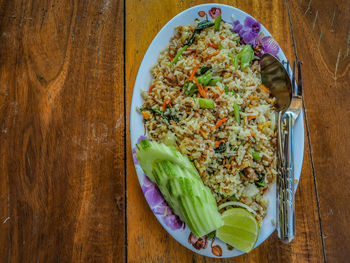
(226, 65)
(212, 55)
(221, 91)
(166, 101)
(146, 114)
(263, 87)
(200, 88)
(252, 134)
(252, 117)
(216, 46)
(222, 37)
(193, 72)
(218, 124)
(191, 49)
(172, 77)
(151, 88)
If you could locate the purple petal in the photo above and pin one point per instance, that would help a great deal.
(236, 26)
(134, 156)
(153, 196)
(251, 23)
(214, 12)
(159, 209)
(173, 221)
(249, 37)
(269, 45)
(146, 182)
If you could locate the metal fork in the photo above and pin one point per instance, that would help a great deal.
(286, 231)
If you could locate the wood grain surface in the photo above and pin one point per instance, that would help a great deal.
(61, 131)
(325, 31)
(64, 123)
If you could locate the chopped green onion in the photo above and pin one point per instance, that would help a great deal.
(260, 182)
(226, 89)
(179, 53)
(244, 57)
(217, 23)
(237, 113)
(256, 156)
(205, 78)
(220, 46)
(206, 103)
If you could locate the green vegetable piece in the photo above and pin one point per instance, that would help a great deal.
(190, 88)
(237, 113)
(231, 55)
(220, 46)
(179, 53)
(181, 186)
(260, 182)
(217, 23)
(226, 89)
(205, 78)
(206, 103)
(244, 57)
(204, 24)
(204, 69)
(213, 81)
(256, 156)
(145, 144)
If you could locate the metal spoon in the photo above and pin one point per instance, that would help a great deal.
(275, 77)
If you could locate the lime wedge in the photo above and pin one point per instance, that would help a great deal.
(240, 229)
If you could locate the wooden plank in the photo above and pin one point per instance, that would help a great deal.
(147, 241)
(323, 41)
(61, 130)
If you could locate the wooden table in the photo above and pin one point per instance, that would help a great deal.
(68, 188)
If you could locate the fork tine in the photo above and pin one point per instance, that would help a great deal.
(300, 80)
(293, 79)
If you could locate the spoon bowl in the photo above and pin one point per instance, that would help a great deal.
(276, 78)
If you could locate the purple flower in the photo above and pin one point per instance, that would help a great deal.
(248, 32)
(159, 206)
(269, 45)
(214, 12)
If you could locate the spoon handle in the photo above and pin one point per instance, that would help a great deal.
(285, 185)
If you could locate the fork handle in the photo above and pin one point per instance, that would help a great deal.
(285, 186)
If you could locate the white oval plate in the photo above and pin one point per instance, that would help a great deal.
(167, 219)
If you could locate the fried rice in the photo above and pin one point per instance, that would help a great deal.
(236, 160)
